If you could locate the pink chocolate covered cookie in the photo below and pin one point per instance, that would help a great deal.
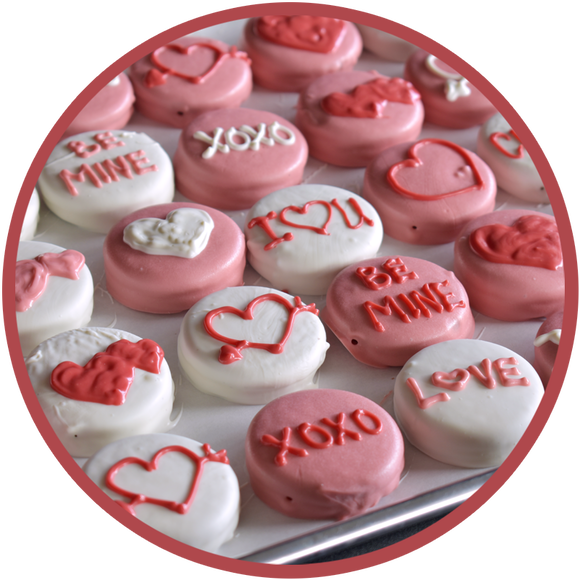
(450, 100)
(546, 345)
(231, 158)
(385, 45)
(386, 309)
(510, 263)
(323, 454)
(348, 118)
(189, 76)
(111, 108)
(426, 191)
(289, 52)
(164, 258)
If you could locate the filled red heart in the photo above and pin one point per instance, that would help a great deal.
(435, 169)
(532, 240)
(313, 33)
(369, 100)
(145, 354)
(322, 230)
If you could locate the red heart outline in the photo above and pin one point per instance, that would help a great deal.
(303, 210)
(312, 33)
(413, 162)
(232, 350)
(108, 376)
(137, 498)
(532, 240)
(495, 140)
(158, 76)
(453, 381)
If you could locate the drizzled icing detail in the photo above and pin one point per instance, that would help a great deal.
(369, 100)
(496, 138)
(31, 276)
(456, 86)
(531, 240)
(552, 336)
(108, 376)
(414, 163)
(506, 368)
(184, 233)
(263, 221)
(110, 169)
(232, 349)
(158, 76)
(312, 33)
(324, 439)
(417, 304)
(247, 138)
(136, 499)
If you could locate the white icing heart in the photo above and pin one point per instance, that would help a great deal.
(183, 233)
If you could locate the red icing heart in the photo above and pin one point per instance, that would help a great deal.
(453, 381)
(417, 171)
(137, 498)
(158, 76)
(232, 350)
(495, 140)
(107, 377)
(531, 240)
(304, 210)
(369, 99)
(313, 33)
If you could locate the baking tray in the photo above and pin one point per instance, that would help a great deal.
(428, 488)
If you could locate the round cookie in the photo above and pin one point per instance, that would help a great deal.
(251, 345)
(466, 402)
(54, 292)
(386, 309)
(450, 100)
(94, 179)
(546, 345)
(510, 263)
(289, 52)
(323, 454)
(515, 172)
(348, 118)
(299, 239)
(124, 389)
(30, 217)
(425, 192)
(172, 483)
(385, 45)
(188, 77)
(111, 108)
(164, 258)
(231, 158)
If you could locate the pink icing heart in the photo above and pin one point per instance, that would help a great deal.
(108, 376)
(137, 498)
(453, 381)
(232, 350)
(186, 62)
(313, 33)
(444, 170)
(304, 210)
(370, 99)
(531, 240)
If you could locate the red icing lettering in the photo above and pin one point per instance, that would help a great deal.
(426, 299)
(341, 431)
(304, 431)
(121, 167)
(453, 381)
(80, 149)
(485, 377)
(102, 173)
(449, 306)
(398, 271)
(138, 159)
(232, 350)
(369, 100)
(389, 306)
(263, 222)
(357, 208)
(425, 403)
(303, 210)
(31, 276)
(86, 171)
(357, 416)
(284, 445)
(373, 279)
(136, 499)
(108, 376)
(510, 376)
(158, 76)
(107, 140)
(532, 240)
(312, 33)
(495, 141)
(414, 163)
